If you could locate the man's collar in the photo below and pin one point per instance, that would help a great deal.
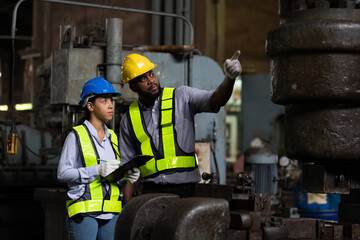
(141, 104)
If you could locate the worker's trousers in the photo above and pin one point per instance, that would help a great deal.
(92, 229)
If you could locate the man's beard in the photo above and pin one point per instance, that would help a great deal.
(147, 95)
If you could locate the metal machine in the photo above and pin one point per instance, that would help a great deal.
(312, 53)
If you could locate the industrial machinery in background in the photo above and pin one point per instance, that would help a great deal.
(321, 129)
(313, 54)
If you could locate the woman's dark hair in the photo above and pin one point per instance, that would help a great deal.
(87, 112)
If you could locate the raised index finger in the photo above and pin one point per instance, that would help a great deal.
(236, 55)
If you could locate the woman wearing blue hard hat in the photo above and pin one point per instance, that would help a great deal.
(90, 152)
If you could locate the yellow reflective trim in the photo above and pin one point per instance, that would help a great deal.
(86, 146)
(140, 134)
(90, 160)
(114, 192)
(149, 168)
(84, 207)
(168, 130)
(168, 93)
(146, 148)
(168, 163)
(169, 142)
(94, 206)
(112, 206)
(136, 120)
(166, 117)
(167, 125)
(135, 117)
(166, 104)
(96, 190)
(175, 162)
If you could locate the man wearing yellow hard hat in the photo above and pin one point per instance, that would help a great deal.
(161, 124)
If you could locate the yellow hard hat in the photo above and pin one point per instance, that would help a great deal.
(135, 65)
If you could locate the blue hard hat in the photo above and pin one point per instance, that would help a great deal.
(97, 86)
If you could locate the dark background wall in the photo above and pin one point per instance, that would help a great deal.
(221, 27)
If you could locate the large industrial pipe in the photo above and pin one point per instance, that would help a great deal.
(114, 33)
(314, 55)
(114, 29)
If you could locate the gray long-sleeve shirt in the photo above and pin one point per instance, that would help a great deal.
(188, 102)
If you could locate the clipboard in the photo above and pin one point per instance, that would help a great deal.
(119, 173)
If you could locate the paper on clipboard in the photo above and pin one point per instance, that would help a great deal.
(119, 173)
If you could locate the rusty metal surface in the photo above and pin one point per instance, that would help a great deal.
(236, 234)
(351, 231)
(315, 77)
(241, 220)
(319, 132)
(256, 202)
(139, 215)
(301, 228)
(193, 218)
(275, 233)
(321, 35)
(338, 232)
(313, 54)
(255, 235)
(214, 191)
(326, 179)
(334, 232)
(70, 69)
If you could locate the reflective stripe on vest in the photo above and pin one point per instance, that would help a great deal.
(170, 160)
(97, 202)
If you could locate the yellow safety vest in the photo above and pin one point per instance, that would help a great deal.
(93, 199)
(169, 159)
